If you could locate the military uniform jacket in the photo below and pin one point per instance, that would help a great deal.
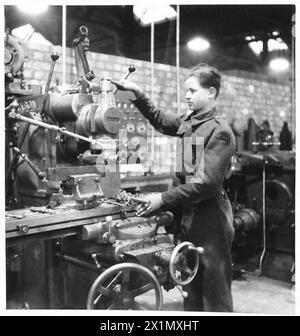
(207, 213)
(208, 133)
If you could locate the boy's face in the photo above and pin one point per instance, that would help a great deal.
(196, 96)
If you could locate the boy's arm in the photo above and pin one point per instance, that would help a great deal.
(165, 122)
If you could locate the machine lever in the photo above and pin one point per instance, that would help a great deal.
(130, 70)
(62, 130)
(183, 293)
(41, 175)
(94, 257)
(54, 58)
(199, 249)
(13, 106)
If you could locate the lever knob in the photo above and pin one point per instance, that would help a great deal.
(131, 68)
(54, 56)
(182, 292)
(198, 249)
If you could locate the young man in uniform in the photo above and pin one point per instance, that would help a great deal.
(207, 219)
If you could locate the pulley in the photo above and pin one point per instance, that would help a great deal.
(279, 200)
(246, 220)
(13, 55)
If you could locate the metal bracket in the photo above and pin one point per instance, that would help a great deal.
(22, 228)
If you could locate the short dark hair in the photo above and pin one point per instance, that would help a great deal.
(207, 75)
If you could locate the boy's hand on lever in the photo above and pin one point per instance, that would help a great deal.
(125, 85)
(152, 203)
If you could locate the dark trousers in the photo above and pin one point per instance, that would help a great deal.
(211, 228)
(209, 291)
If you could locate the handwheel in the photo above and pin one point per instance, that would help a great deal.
(184, 263)
(120, 287)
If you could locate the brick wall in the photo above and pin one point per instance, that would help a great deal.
(243, 95)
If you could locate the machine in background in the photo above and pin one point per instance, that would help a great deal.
(262, 193)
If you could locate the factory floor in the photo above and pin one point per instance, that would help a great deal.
(251, 295)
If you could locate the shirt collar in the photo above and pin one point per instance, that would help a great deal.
(200, 118)
(195, 119)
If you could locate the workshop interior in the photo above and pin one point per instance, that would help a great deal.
(79, 155)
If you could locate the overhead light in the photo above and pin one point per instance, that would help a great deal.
(279, 64)
(33, 8)
(27, 32)
(250, 38)
(273, 44)
(277, 44)
(198, 44)
(256, 47)
(153, 13)
(282, 114)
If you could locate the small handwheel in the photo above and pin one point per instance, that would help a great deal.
(184, 263)
(121, 287)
